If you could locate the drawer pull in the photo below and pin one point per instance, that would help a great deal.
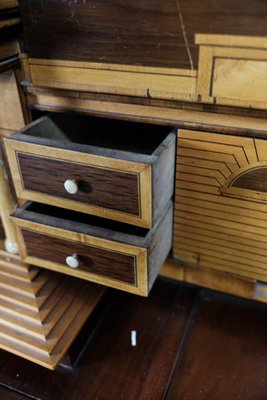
(72, 261)
(71, 186)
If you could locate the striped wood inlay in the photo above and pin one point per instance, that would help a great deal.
(41, 312)
(211, 229)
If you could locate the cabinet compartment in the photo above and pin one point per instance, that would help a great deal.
(220, 219)
(115, 170)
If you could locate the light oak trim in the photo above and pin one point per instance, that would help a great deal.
(239, 79)
(142, 170)
(5, 4)
(6, 206)
(140, 255)
(111, 78)
(114, 67)
(206, 81)
(9, 22)
(5, 132)
(152, 114)
(11, 115)
(216, 280)
(259, 42)
(25, 69)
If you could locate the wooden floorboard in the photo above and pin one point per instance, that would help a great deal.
(113, 369)
(225, 354)
(9, 394)
(192, 344)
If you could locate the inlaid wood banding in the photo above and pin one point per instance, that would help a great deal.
(98, 186)
(95, 260)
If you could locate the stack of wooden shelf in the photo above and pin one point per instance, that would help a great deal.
(41, 312)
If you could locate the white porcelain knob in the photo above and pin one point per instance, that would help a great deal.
(72, 261)
(11, 247)
(71, 186)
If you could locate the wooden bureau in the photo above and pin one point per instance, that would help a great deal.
(147, 144)
(157, 65)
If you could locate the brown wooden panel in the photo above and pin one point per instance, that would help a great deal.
(97, 186)
(224, 353)
(9, 394)
(224, 17)
(256, 179)
(111, 368)
(94, 260)
(138, 33)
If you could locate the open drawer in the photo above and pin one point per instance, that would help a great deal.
(106, 168)
(102, 251)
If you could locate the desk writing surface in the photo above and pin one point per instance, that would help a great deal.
(152, 33)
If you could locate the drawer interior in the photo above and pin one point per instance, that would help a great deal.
(44, 214)
(107, 133)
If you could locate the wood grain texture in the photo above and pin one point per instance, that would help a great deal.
(240, 79)
(147, 82)
(139, 35)
(106, 31)
(113, 98)
(7, 4)
(11, 115)
(212, 279)
(191, 344)
(253, 180)
(100, 187)
(115, 368)
(211, 229)
(7, 393)
(222, 18)
(95, 260)
(210, 118)
(228, 337)
(231, 75)
(41, 313)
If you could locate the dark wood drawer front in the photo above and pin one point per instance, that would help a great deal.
(91, 259)
(117, 255)
(98, 186)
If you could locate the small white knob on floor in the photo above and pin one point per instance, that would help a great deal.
(72, 261)
(71, 186)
